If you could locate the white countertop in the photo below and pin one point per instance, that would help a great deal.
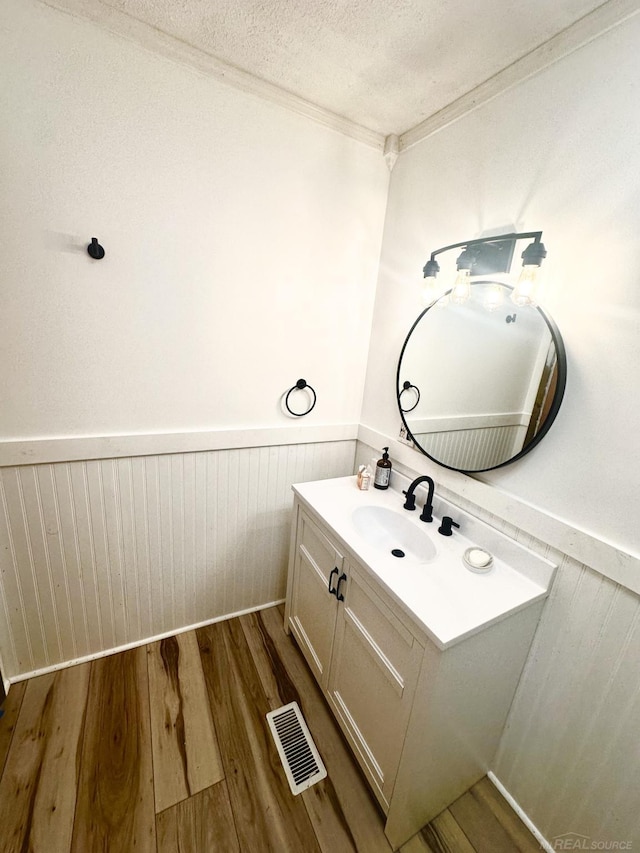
(446, 599)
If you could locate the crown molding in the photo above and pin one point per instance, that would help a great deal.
(390, 152)
(583, 31)
(158, 42)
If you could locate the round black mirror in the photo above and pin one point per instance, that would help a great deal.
(480, 383)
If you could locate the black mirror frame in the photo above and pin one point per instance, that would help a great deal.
(553, 409)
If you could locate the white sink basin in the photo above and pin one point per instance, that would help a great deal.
(390, 531)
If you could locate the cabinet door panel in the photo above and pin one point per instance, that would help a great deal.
(313, 608)
(380, 628)
(372, 683)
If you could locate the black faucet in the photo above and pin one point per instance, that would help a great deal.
(410, 503)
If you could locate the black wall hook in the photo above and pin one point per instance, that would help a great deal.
(95, 249)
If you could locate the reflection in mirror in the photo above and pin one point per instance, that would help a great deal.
(479, 386)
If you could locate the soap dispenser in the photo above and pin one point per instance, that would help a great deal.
(383, 471)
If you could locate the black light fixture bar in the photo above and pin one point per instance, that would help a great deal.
(487, 255)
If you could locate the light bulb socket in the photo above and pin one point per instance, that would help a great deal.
(465, 260)
(534, 254)
(431, 269)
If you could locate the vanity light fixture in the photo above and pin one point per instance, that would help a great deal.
(487, 256)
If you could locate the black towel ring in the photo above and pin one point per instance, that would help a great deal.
(407, 386)
(299, 386)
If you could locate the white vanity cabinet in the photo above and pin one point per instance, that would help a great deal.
(362, 655)
(423, 721)
(311, 609)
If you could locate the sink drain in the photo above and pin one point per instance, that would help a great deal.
(397, 552)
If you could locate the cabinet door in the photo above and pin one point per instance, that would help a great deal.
(373, 679)
(317, 567)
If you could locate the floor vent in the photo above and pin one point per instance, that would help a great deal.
(297, 751)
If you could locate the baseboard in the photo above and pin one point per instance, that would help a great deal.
(134, 645)
(524, 817)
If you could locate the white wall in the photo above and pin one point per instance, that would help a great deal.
(241, 243)
(559, 153)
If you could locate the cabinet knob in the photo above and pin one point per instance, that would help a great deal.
(339, 595)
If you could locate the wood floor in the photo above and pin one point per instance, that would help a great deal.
(165, 748)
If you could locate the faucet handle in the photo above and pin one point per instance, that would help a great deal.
(447, 524)
(427, 512)
(410, 502)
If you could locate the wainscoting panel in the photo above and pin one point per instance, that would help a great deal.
(472, 442)
(570, 755)
(473, 449)
(99, 554)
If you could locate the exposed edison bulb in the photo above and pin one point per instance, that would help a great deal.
(526, 290)
(461, 290)
(430, 290)
(494, 298)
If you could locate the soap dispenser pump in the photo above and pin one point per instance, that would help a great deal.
(383, 471)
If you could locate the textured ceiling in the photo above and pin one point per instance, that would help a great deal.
(384, 64)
